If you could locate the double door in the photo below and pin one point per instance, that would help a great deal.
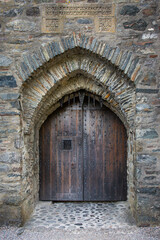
(83, 154)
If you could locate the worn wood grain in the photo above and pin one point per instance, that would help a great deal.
(83, 154)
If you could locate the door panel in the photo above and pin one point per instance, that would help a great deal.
(104, 155)
(62, 179)
(83, 154)
(93, 154)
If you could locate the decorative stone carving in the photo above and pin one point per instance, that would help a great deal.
(53, 16)
(105, 24)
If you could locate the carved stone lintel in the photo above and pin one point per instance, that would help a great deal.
(53, 16)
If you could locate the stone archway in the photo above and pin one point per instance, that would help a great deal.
(59, 69)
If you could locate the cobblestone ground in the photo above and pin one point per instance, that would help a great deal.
(81, 215)
(80, 221)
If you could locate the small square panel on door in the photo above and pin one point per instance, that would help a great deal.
(66, 144)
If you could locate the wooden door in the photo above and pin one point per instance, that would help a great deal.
(61, 155)
(83, 154)
(104, 155)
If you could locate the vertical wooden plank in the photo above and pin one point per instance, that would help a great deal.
(104, 155)
(63, 170)
(54, 164)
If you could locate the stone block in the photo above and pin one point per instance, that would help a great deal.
(2, 196)
(8, 81)
(130, 10)
(92, 1)
(13, 200)
(28, 61)
(146, 159)
(10, 157)
(136, 74)
(37, 59)
(18, 142)
(4, 61)
(149, 133)
(10, 215)
(149, 11)
(149, 91)
(153, 56)
(116, 53)
(16, 104)
(33, 12)
(151, 172)
(25, 69)
(133, 66)
(9, 96)
(145, 216)
(139, 25)
(149, 178)
(148, 190)
(21, 25)
(150, 78)
(157, 205)
(3, 168)
(156, 150)
(13, 12)
(149, 36)
(126, 61)
(84, 21)
(123, 58)
(143, 107)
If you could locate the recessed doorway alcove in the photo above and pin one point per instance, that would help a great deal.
(97, 112)
(47, 91)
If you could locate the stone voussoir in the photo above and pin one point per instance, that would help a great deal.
(32, 61)
(100, 72)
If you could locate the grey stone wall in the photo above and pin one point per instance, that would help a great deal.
(132, 27)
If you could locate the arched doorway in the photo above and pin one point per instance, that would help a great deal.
(83, 152)
(74, 67)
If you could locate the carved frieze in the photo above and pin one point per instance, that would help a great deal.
(53, 16)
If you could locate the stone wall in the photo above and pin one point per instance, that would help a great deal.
(52, 48)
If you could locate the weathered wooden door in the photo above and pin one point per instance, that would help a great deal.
(83, 154)
(61, 155)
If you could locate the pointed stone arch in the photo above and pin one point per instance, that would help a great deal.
(126, 61)
(116, 88)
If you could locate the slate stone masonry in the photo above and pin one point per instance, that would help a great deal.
(113, 53)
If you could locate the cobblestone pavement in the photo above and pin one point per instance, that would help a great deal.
(80, 221)
(84, 215)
